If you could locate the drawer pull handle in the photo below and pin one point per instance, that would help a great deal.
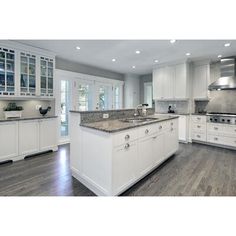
(199, 126)
(216, 128)
(199, 136)
(146, 131)
(156, 137)
(127, 145)
(198, 118)
(160, 127)
(127, 137)
(215, 139)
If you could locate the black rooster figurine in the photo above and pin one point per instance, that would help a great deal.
(43, 112)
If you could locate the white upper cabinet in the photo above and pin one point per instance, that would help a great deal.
(201, 80)
(171, 82)
(7, 72)
(25, 71)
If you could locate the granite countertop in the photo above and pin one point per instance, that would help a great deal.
(112, 126)
(177, 113)
(27, 118)
(199, 114)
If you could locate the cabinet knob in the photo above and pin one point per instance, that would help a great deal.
(216, 128)
(215, 138)
(127, 145)
(146, 131)
(198, 136)
(198, 118)
(171, 129)
(171, 123)
(199, 126)
(160, 127)
(127, 137)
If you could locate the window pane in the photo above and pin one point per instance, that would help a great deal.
(64, 107)
(84, 97)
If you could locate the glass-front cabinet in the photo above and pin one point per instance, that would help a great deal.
(27, 74)
(46, 76)
(7, 72)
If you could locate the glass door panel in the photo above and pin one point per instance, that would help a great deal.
(104, 96)
(64, 108)
(85, 97)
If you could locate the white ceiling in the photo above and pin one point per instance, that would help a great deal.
(99, 53)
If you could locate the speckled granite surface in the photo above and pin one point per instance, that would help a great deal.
(112, 126)
(93, 116)
(27, 118)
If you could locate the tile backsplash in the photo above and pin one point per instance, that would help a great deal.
(177, 106)
(29, 107)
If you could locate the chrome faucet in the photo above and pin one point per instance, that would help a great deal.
(143, 107)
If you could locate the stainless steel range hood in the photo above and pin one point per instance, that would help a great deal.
(227, 81)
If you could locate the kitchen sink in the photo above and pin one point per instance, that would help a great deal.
(138, 120)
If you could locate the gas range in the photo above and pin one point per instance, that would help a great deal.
(225, 118)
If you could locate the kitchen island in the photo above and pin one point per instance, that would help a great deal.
(109, 156)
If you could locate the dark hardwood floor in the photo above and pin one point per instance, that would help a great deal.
(196, 170)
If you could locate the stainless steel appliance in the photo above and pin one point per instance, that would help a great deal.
(225, 118)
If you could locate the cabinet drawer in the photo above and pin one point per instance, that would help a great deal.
(199, 127)
(199, 119)
(222, 140)
(147, 130)
(199, 136)
(125, 136)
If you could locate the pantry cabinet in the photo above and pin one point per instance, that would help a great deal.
(8, 140)
(201, 80)
(26, 72)
(171, 82)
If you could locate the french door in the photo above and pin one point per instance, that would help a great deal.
(103, 96)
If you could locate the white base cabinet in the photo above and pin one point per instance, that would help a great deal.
(26, 137)
(8, 140)
(110, 163)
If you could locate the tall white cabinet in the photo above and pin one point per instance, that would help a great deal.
(171, 82)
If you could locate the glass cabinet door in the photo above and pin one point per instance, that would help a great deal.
(46, 76)
(27, 74)
(7, 71)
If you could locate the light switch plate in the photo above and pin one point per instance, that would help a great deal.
(105, 116)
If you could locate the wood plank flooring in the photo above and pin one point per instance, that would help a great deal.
(196, 170)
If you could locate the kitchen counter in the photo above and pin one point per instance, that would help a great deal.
(27, 118)
(117, 125)
(199, 114)
(176, 114)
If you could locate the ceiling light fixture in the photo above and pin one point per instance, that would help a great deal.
(137, 52)
(133, 67)
(155, 61)
(113, 59)
(188, 54)
(172, 41)
(227, 44)
(78, 48)
(219, 56)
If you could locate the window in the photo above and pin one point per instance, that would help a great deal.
(117, 97)
(64, 107)
(84, 97)
(148, 93)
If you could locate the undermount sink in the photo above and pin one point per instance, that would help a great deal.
(138, 120)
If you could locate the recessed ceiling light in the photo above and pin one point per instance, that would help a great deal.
(155, 61)
(172, 41)
(137, 52)
(227, 44)
(188, 54)
(78, 48)
(219, 56)
(113, 59)
(133, 67)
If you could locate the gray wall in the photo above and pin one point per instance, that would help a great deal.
(86, 69)
(142, 80)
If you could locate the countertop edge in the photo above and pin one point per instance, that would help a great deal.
(27, 118)
(125, 128)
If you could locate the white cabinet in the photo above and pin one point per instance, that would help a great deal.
(123, 161)
(183, 128)
(199, 128)
(201, 80)
(28, 137)
(7, 72)
(145, 152)
(171, 82)
(171, 141)
(158, 148)
(47, 134)
(8, 140)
